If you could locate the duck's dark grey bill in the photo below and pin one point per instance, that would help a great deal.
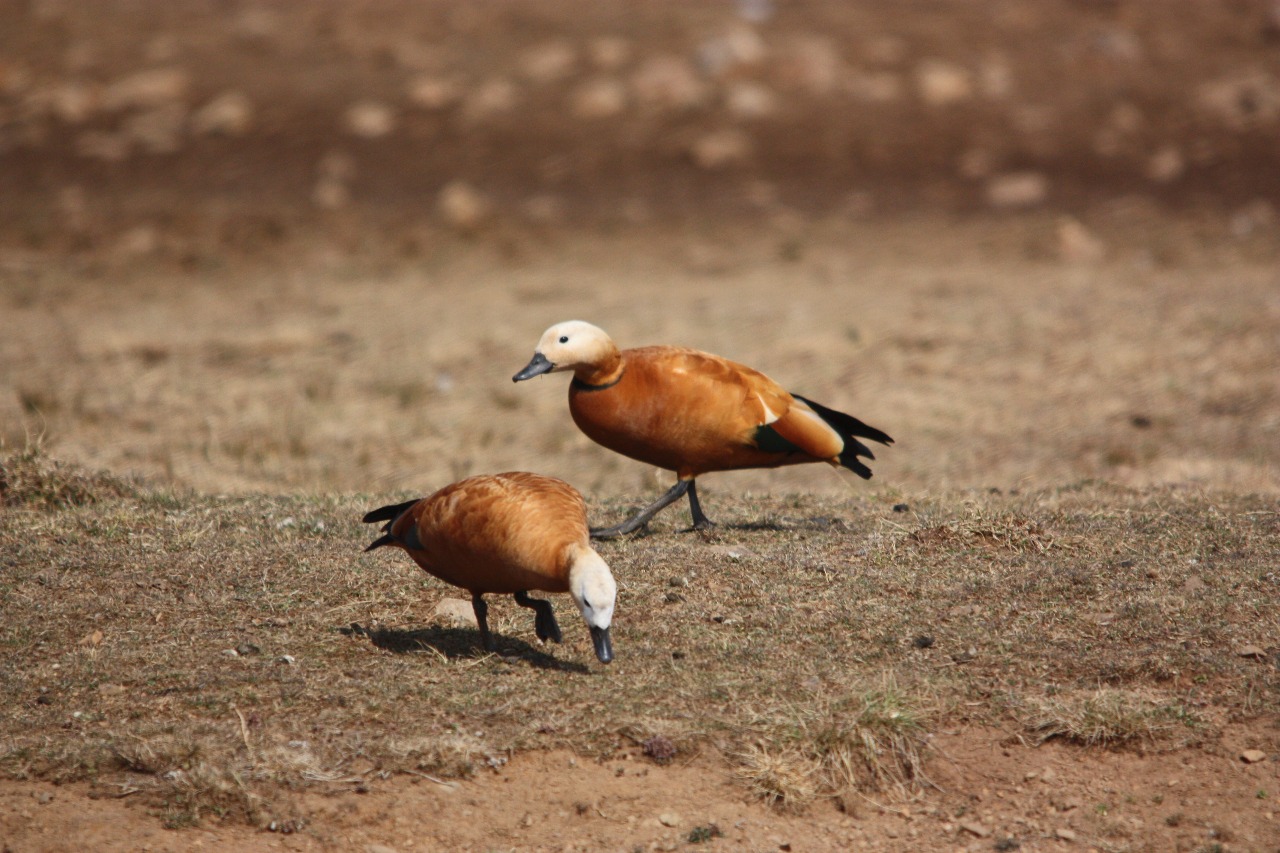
(604, 648)
(538, 366)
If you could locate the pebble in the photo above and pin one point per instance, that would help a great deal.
(740, 46)
(750, 100)
(669, 819)
(609, 53)
(455, 611)
(1077, 244)
(330, 194)
(1251, 651)
(71, 102)
(549, 62)
(943, 83)
(433, 93)
(1016, 190)
(1253, 756)
(463, 206)
(721, 149)
(370, 119)
(1064, 834)
(1166, 165)
(975, 828)
(146, 89)
(598, 99)
(229, 114)
(668, 82)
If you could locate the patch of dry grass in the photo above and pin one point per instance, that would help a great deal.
(858, 741)
(200, 649)
(1111, 717)
(30, 478)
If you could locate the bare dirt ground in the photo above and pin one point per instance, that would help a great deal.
(1048, 798)
(281, 262)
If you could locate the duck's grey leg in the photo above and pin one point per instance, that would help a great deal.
(700, 521)
(482, 619)
(640, 520)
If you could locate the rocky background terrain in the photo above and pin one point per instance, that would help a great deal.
(204, 129)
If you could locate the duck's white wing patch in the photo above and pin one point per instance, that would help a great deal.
(769, 415)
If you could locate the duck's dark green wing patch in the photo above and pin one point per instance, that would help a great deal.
(768, 440)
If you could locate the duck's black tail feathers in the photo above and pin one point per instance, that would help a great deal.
(850, 429)
(389, 514)
(384, 539)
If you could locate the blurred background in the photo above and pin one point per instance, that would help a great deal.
(268, 245)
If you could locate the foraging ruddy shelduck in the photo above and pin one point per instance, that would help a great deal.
(691, 412)
(508, 533)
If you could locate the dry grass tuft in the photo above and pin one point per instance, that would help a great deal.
(784, 777)
(868, 741)
(30, 478)
(1113, 717)
(876, 743)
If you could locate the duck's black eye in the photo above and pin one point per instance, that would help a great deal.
(564, 339)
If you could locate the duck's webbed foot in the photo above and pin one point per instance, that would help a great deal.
(544, 616)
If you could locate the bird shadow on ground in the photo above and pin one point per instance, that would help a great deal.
(777, 525)
(457, 644)
(763, 525)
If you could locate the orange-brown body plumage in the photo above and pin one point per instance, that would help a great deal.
(506, 533)
(499, 533)
(692, 412)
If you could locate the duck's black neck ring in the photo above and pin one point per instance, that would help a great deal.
(578, 385)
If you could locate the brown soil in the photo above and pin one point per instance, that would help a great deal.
(992, 793)
(280, 303)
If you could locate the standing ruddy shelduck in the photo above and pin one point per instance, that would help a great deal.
(691, 412)
(508, 533)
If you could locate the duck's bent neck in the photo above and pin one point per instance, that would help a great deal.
(601, 373)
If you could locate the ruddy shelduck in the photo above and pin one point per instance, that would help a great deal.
(691, 412)
(508, 533)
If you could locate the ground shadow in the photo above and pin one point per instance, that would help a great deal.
(780, 524)
(763, 525)
(457, 643)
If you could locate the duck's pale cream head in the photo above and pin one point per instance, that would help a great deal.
(594, 591)
(571, 345)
